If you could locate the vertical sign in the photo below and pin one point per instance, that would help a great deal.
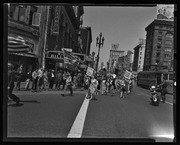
(56, 21)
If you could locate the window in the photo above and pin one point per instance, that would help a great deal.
(165, 76)
(167, 55)
(167, 49)
(157, 54)
(159, 46)
(139, 66)
(140, 57)
(140, 53)
(159, 39)
(168, 35)
(170, 76)
(25, 14)
(168, 42)
(160, 32)
(139, 62)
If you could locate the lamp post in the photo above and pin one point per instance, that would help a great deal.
(99, 43)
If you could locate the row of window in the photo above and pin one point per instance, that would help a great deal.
(25, 14)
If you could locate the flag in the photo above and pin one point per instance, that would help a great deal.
(69, 58)
(17, 44)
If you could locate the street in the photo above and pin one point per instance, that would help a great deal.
(48, 114)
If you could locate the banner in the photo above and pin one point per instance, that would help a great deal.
(69, 58)
(56, 20)
(127, 75)
(90, 71)
(165, 11)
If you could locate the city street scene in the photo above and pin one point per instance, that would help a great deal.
(90, 73)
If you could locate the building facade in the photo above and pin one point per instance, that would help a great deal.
(64, 24)
(139, 51)
(159, 45)
(86, 37)
(27, 22)
(113, 58)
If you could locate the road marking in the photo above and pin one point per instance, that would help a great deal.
(169, 103)
(77, 127)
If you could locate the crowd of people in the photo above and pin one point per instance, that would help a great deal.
(108, 84)
(43, 79)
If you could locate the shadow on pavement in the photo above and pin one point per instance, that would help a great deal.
(30, 101)
(15, 105)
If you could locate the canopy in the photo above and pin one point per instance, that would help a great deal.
(17, 44)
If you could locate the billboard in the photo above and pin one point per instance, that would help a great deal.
(165, 12)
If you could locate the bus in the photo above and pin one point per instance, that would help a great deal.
(146, 79)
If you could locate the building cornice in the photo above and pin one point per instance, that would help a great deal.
(159, 22)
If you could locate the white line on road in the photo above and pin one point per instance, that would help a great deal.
(77, 127)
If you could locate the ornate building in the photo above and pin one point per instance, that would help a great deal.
(27, 23)
(139, 51)
(159, 45)
(64, 24)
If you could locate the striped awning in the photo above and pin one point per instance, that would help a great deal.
(17, 44)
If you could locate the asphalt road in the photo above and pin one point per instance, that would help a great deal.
(48, 114)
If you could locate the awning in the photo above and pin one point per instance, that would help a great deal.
(24, 54)
(17, 44)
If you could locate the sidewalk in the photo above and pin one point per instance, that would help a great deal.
(47, 91)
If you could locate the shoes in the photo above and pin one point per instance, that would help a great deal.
(62, 94)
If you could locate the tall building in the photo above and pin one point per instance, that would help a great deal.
(64, 23)
(86, 37)
(113, 57)
(139, 51)
(130, 59)
(159, 45)
(26, 22)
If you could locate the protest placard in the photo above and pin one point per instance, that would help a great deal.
(90, 71)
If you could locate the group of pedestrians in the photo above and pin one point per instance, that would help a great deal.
(108, 84)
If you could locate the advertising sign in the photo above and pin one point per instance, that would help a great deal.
(165, 11)
(56, 21)
(90, 71)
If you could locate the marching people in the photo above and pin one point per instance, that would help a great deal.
(40, 78)
(28, 79)
(58, 80)
(68, 84)
(11, 80)
(64, 79)
(19, 79)
(45, 76)
(122, 87)
(92, 88)
(34, 80)
(52, 79)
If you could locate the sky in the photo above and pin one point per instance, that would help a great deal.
(123, 25)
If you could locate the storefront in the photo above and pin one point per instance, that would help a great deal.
(55, 60)
(21, 51)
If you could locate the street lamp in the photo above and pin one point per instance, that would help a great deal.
(99, 43)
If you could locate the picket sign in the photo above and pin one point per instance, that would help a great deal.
(127, 75)
(90, 71)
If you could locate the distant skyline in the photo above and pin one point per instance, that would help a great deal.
(123, 25)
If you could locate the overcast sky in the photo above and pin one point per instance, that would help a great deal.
(123, 25)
